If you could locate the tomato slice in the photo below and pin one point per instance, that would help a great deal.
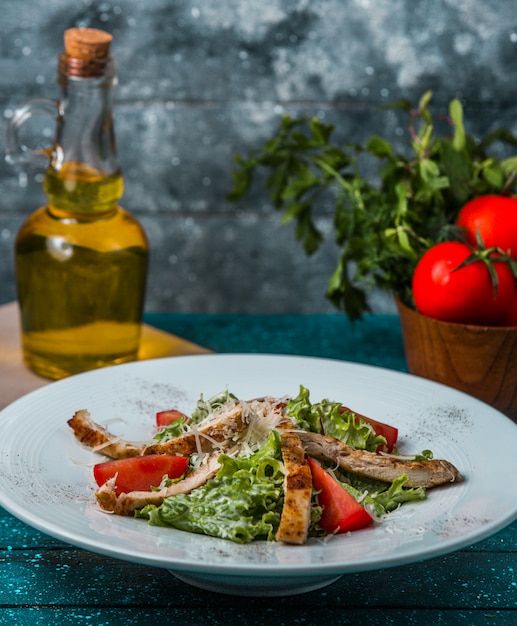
(341, 512)
(390, 433)
(164, 418)
(140, 473)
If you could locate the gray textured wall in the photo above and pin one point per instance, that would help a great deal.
(200, 80)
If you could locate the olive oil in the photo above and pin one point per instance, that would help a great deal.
(80, 280)
(80, 190)
(81, 260)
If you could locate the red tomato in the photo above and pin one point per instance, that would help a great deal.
(390, 433)
(464, 295)
(140, 473)
(495, 217)
(341, 512)
(164, 418)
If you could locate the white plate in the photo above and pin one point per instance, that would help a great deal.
(46, 478)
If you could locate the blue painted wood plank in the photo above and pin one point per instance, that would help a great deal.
(73, 577)
(265, 615)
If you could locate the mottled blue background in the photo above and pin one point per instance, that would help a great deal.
(201, 80)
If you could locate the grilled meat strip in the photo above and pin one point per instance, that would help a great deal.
(222, 427)
(294, 522)
(428, 473)
(128, 503)
(94, 435)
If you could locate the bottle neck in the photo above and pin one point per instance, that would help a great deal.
(83, 176)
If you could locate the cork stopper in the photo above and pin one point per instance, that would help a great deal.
(86, 54)
(87, 43)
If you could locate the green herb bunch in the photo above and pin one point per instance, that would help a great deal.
(382, 228)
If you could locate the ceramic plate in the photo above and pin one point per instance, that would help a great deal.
(46, 476)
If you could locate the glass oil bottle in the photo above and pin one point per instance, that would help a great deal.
(81, 260)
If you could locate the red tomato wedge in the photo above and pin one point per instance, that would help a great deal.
(164, 418)
(390, 433)
(341, 512)
(140, 473)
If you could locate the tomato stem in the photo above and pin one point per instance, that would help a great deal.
(488, 256)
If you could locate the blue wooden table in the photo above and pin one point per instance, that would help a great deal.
(44, 581)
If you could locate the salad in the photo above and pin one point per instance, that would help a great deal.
(276, 469)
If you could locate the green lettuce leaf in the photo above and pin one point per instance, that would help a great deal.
(301, 412)
(381, 498)
(205, 407)
(325, 417)
(242, 503)
(173, 430)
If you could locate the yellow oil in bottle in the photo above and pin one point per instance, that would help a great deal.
(81, 264)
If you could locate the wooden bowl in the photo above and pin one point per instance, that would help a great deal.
(479, 360)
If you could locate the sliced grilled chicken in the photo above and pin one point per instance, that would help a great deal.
(428, 473)
(294, 522)
(253, 419)
(96, 436)
(224, 426)
(128, 503)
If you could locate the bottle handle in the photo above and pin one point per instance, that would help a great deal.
(17, 152)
